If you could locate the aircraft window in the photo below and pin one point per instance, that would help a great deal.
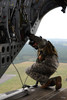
(7, 58)
(3, 60)
(17, 50)
(11, 47)
(8, 49)
(3, 49)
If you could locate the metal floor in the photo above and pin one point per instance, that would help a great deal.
(46, 94)
(35, 94)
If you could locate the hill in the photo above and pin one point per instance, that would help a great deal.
(29, 54)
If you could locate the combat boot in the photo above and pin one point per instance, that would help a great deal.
(47, 84)
(55, 81)
(58, 82)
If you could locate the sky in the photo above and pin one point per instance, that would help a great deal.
(53, 25)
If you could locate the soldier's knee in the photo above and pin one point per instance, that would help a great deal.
(28, 71)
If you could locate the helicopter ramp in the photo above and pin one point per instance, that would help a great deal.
(35, 94)
(47, 94)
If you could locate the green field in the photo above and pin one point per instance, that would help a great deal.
(14, 83)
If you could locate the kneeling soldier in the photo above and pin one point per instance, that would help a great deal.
(46, 63)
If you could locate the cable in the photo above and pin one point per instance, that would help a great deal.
(18, 74)
(25, 79)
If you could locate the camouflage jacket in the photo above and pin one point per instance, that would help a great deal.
(39, 43)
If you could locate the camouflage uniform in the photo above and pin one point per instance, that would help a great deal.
(42, 70)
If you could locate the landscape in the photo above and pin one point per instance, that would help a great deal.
(26, 58)
(30, 54)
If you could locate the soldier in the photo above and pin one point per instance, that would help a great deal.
(46, 63)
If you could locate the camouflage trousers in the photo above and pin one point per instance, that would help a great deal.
(40, 72)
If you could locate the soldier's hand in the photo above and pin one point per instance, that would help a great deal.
(33, 44)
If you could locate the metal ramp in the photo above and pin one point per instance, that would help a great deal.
(46, 94)
(35, 94)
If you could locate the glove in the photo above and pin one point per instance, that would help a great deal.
(33, 44)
